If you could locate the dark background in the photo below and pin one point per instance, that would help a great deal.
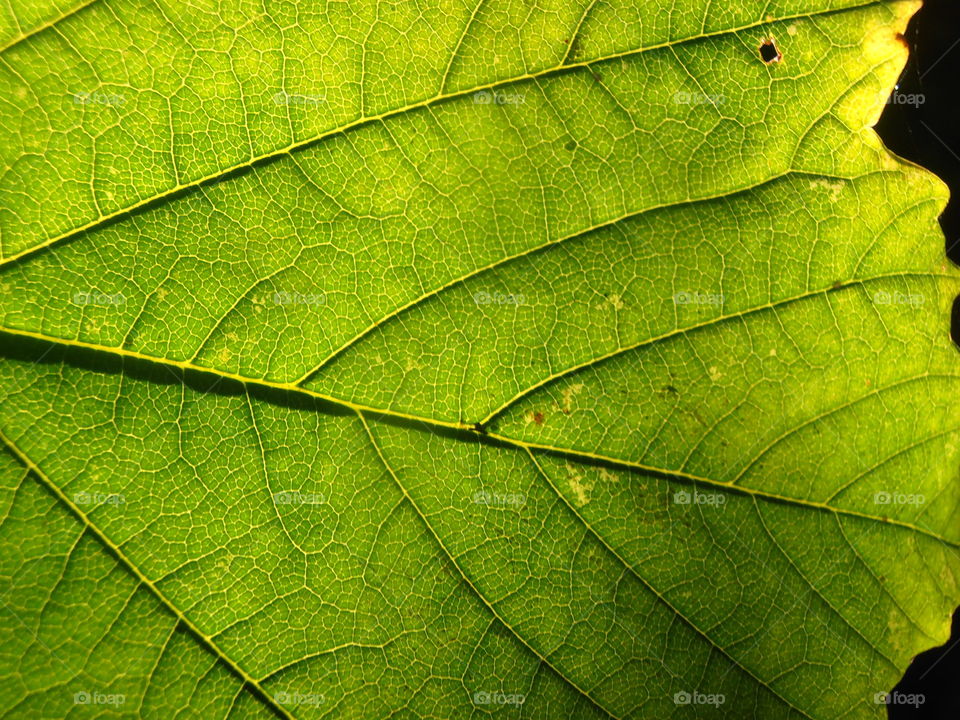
(929, 135)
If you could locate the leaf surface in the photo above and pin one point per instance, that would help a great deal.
(415, 360)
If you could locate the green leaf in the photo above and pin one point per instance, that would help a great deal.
(557, 360)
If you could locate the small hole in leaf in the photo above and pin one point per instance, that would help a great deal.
(769, 53)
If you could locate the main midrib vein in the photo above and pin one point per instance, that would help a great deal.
(200, 636)
(295, 146)
(293, 388)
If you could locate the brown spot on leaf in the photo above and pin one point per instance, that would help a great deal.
(534, 416)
